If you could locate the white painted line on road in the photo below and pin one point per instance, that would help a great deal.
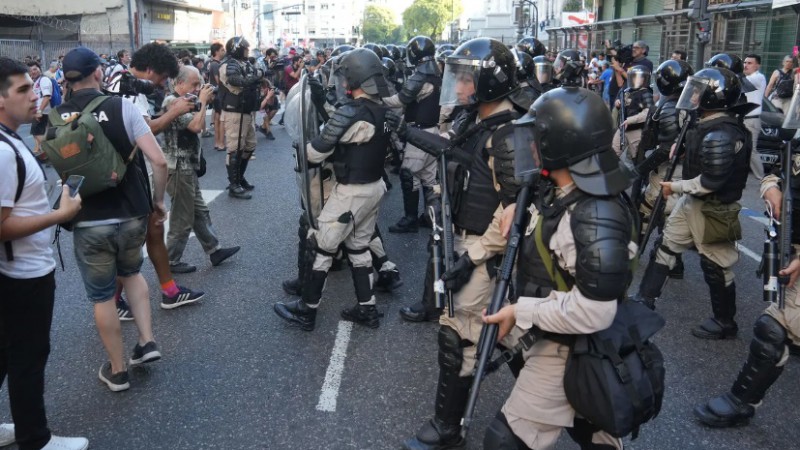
(333, 376)
(208, 195)
(753, 255)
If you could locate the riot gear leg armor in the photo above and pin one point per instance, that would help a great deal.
(723, 304)
(408, 223)
(424, 310)
(500, 437)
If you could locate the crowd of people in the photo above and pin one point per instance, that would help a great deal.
(572, 192)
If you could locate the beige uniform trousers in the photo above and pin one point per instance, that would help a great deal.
(420, 164)
(756, 166)
(789, 317)
(632, 139)
(654, 190)
(684, 229)
(348, 217)
(233, 140)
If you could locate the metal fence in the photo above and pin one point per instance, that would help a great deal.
(51, 50)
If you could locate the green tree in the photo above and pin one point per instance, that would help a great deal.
(379, 23)
(430, 17)
(577, 5)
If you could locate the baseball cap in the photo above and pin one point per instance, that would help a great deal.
(292, 51)
(79, 63)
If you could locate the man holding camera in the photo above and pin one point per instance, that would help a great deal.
(239, 99)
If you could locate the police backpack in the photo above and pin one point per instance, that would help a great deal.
(78, 146)
(615, 378)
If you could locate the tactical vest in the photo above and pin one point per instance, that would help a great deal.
(237, 98)
(363, 163)
(475, 198)
(634, 104)
(425, 113)
(731, 191)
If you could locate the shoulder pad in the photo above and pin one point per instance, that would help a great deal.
(411, 88)
(602, 228)
(668, 127)
(718, 155)
(334, 129)
(428, 68)
(502, 150)
(523, 98)
(647, 98)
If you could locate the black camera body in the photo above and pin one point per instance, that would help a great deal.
(624, 52)
(131, 86)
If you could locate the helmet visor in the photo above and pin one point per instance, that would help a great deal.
(792, 116)
(339, 83)
(459, 83)
(637, 80)
(544, 72)
(692, 93)
(527, 161)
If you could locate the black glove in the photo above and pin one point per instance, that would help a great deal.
(459, 275)
(397, 123)
(317, 92)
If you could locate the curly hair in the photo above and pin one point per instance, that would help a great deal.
(156, 57)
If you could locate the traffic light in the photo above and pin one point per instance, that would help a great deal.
(704, 30)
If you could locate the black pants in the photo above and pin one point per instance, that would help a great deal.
(26, 312)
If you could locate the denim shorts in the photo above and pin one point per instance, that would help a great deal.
(105, 252)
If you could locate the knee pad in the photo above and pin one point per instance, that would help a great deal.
(769, 340)
(500, 437)
(581, 432)
(451, 350)
(302, 229)
(713, 273)
(406, 180)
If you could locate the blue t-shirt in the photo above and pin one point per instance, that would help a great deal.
(606, 76)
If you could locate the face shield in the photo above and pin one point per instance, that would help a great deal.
(337, 83)
(544, 72)
(459, 82)
(558, 65)
(792, 120)
(692, 93)
(527, 160)
(637, 79)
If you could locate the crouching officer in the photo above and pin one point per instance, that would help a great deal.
(715, 169)
(480, 74)
(574, 264)
(356, 139)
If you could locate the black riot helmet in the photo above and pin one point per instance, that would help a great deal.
(726, 61)
(341, 49)
(484, 66)
(360, 68)
(671, 76)
(525, 65)
(237, 47)
(638, 78)
(420, 49)
(445, 47)
(441, 57)
(543, 69)
(571, 127)
(568, 67)
(394, 51)
(711, 89)
(374, 48)
(384, 51)
(532, 46)
(389, 67)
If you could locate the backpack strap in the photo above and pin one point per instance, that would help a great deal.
(21, 174)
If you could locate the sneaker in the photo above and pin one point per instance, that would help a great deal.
(145, 354)
(207, 133)
(115, 381)
(123, 310)
(7, 436)
(270, 136)
(222, 254)
(66, 443)
(184, 296)
(181, 267)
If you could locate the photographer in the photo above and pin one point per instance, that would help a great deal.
(239, 99)
(189, 211)
(270, 106)
(294, 72)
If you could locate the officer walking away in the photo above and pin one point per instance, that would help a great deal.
(182, 149)
(357, 140)
(239, 99)
(634, 105)
(706, 216)
(580, 213)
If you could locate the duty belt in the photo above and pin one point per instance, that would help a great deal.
(465, 232)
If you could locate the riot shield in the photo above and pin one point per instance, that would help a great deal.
(303, 124)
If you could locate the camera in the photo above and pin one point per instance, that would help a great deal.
(624, 52)
(130, 85)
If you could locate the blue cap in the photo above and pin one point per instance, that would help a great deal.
(79, 63)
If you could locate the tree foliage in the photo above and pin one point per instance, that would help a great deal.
(430, 17)
(379, 24)
(577, 5)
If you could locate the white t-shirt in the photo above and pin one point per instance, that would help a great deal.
(43, 87)
(759, 81)
(33, 255)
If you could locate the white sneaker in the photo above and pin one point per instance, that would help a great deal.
(66, 443)
(7, 434)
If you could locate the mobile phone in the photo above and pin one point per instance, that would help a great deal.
(74, 182)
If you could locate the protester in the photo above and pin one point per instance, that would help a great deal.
(781, 85)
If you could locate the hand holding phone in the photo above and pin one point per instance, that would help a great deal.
(74, 182)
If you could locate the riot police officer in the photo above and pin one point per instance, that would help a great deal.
(356, 139)
(579, 215)
(480, 73)
(706, 216)
(239, 99)
(634, 105)
(529, 87)
(420, 98)
(568, 69)
(543, 71)
(531, 46)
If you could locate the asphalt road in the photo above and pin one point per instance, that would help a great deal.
(235, 376)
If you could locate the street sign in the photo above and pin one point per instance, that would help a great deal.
(781, 3)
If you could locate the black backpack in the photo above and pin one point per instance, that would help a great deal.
(615, 378)
(785, 84)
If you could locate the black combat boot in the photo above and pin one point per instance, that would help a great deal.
(652, 282)
(242, 169)
(298, 312)
(431, 199)
(424, 310)
(676, 273)
(760, 371)
(295, 285)
(365, 312)
(723, 304)
(408, 223)
(388, 280)
(235, 189)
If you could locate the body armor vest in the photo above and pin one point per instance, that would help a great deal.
(363, 163)
(634, 104)
(425, 113)
(236, 98)
(731, 191)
